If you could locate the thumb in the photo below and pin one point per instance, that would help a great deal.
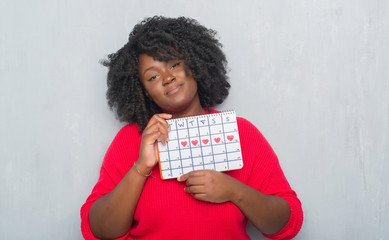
(183, 178)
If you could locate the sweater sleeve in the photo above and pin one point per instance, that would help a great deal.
(268, 178)
(276, 184)
(117, 162)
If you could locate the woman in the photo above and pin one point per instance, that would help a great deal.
(172, 68)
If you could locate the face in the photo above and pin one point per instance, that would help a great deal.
(168, 86)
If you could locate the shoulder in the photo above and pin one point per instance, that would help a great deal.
(251, 138)
(124, 148)
(247, 128)
(245, 124)
(127, 137)
(128, 131)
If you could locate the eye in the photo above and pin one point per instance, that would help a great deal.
(175, 65)
(152, 78)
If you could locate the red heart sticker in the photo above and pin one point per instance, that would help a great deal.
(230, 137)
(205, 141)
(194, 142)
(217, 140)
(184, 143)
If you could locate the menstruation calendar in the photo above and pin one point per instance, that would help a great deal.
(208, 141)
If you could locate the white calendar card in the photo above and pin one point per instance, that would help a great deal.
(209, 141)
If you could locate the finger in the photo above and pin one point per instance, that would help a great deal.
(164, 137)
(183, 177)
(155, 120)
(198, 173)
(162, 117)
(151, 137)
(195, 173)
(159, 120)
(158, 127)
(195, 180)
(195, 189)
(156, 152)
(201, 196)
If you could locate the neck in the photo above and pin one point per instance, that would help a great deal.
(188, 113)
(194, 109)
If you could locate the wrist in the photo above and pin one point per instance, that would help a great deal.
(143, 169)
(236, 191)
(144, 164)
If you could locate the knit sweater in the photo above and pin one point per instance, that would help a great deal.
(165, 211)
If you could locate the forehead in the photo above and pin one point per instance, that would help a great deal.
(147, 62)
(145, 59)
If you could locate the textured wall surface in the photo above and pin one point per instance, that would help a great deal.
(313, 76)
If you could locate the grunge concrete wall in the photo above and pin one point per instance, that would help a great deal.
(313, 76)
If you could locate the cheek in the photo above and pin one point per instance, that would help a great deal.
(150, 91)
(193, 84)
(153, 97)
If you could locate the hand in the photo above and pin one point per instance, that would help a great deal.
(210, 186)
(157, 128)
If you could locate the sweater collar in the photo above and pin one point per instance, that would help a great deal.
(210, 112)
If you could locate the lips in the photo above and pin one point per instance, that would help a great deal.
(173, 89)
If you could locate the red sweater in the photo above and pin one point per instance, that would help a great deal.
(165, 211)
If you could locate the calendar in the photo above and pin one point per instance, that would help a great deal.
(209, 141)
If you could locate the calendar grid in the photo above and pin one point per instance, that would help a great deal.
(210, 136)
(189, 142)
(201, 142)
(224, 135)
(178, 137)
(170, 164)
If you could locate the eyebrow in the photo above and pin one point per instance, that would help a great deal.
(147, 69)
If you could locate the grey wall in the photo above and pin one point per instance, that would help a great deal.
(311, 75)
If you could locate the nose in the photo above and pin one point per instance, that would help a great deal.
(168, 78)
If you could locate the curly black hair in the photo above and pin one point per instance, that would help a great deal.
(165, 39)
